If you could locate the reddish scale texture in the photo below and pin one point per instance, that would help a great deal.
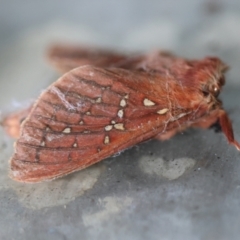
(95, 111)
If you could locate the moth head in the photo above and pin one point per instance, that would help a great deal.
(211, 78)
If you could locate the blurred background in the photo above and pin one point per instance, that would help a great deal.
(191, 29)
(185, 188)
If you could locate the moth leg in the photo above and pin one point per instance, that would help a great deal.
(226, 126)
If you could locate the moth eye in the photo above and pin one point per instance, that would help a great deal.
(216, 91)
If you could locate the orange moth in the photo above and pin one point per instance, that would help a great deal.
(106, 102)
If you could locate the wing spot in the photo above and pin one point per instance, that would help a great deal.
(181, 115)
(88, 113)
(163, 111)
(113, 122)
(147, 102)
(75, 145)
(108, 128)
(81, 122)
(120, 113)
(126, 96)
(119, 126)
(43, 144)
(106, 140)
(67, 130)
(123, 103)
(99, 100)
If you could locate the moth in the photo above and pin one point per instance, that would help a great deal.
(107, 102)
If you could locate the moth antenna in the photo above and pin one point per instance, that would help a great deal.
(227, 129)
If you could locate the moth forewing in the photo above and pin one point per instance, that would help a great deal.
(49, 140)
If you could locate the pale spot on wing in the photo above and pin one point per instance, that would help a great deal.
(119, 126)
(108, 128)
(181, 115)
(88, 113)
(123, 103)
(98, 100)
(106, 140)
(75, 145)
(120, 113)
(163, 111)
(148, 102)
(67, 130)
(81, 123)
(43, 144)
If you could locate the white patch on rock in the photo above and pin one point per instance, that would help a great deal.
(110, 206)
(171, 170)
(54, 193)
